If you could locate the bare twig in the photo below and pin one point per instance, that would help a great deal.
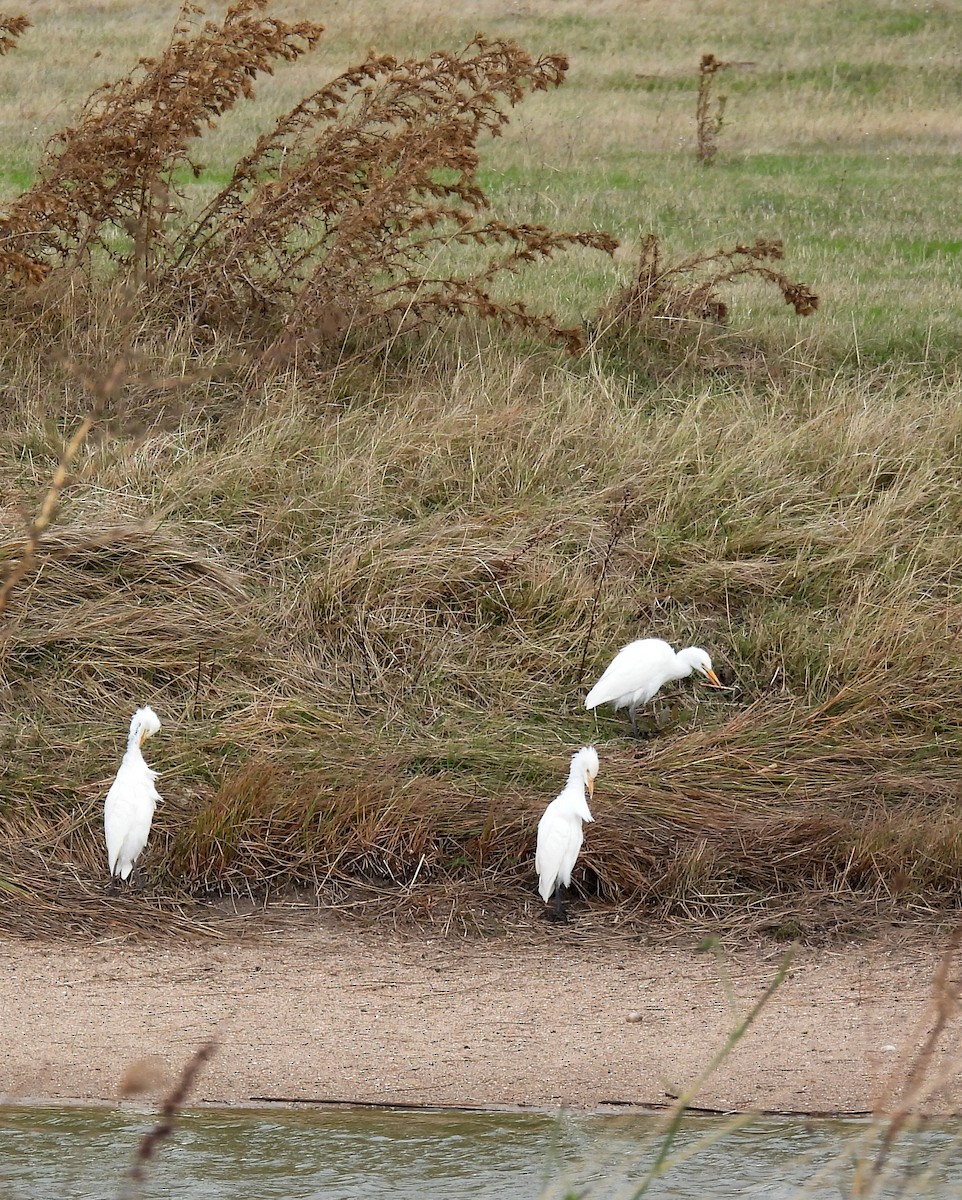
(169, 1110)
(104, 388)
(45, 514)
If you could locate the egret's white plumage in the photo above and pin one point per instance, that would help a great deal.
(129, 806)
(639, 669)
(559, 830)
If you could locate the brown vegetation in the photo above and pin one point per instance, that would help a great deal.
(688, 291)
(709, 111)
(337, 222)
(365, 601)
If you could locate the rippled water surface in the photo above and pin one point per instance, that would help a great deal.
(356, 1154)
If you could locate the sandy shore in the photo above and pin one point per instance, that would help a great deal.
(324, 1012)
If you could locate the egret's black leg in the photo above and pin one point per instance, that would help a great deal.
(557, 913)
(648, 727)
(113, 886)
(139, 880)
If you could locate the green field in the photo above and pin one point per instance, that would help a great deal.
(366, 591)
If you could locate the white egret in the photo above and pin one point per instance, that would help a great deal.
(559, 830)
(639, 669)
(129, 806)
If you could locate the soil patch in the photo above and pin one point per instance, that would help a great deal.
(319, 1011)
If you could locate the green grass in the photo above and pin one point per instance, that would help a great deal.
(360, 600)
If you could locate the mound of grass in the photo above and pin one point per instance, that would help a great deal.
(370, 666)
(367, 600)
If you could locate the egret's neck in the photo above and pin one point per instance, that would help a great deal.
(682, 666)
(577, 776)
(133, 742)
(578, 786)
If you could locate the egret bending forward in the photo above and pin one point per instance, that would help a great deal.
(130, 803)
(639, 669)
(559, 830)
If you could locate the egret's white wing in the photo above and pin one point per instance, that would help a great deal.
(559, 841)
(634, 675)
(128, 813)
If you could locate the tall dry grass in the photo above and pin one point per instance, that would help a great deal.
(364, 619)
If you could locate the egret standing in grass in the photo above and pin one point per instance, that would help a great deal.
(639, 669)
(559, 830)
(129, 807)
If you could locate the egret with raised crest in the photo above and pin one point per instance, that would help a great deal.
(129, 806)
(560, 829)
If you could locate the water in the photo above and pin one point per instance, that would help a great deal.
(81, 1153)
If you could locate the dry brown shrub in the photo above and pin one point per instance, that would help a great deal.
(113, 171)
(338, 220)
(687, 291)
(11, 29)
(339, 216)
(709, 116)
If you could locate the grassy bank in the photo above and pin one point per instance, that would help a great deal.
(367, 600)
